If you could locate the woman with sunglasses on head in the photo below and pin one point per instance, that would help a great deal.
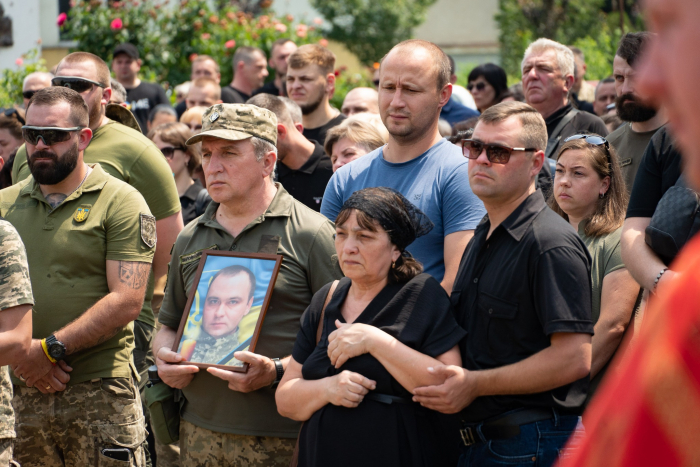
(488, 84)
(590, 193)
(183, 160)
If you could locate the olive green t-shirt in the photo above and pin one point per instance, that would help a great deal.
(630, 147)
(67, 248)
(304, 238)
(15, 290)
(132, 158)
(605, 258)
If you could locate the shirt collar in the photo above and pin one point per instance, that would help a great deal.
(559, 114)
(517, 223)
(95, 181)
(309, 166)
(281, 206)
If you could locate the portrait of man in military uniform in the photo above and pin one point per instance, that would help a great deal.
(225, 320)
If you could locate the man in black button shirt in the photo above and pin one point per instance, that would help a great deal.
(303, 167)
(249, 73)
(523, 294)
(310, 83)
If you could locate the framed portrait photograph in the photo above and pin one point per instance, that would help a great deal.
(226, 308)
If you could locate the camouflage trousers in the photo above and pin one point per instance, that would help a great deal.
(6, 453)
(93, 423)
(200, 447)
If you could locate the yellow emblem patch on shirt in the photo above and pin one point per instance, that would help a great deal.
(82, 213)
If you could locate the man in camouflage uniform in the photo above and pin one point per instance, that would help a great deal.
(90, 238)
(15, 325)
(250, 214)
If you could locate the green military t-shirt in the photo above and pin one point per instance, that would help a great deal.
(15, 290)
(67, 248)
(630, 147)
(605, 258)
(131, 157)
(304, 238)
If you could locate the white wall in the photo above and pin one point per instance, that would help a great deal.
(26, 30)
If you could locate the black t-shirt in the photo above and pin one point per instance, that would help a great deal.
(658, 171)
(308, 184)
(418, 315)
(194, 202)
(530, 279)
(268, 88)
(231, 95)
(319, 134)
(142, 99)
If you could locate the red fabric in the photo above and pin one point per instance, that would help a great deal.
(647, 412)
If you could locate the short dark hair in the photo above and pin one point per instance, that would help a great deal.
(245, 55)
(235, 270)
(101, 67)
(275, 105)
(453, 67)
(494, 75)
(79, 114)
(280, 42)
(632, 45)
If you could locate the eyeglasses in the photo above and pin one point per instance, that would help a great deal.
(28, 94)
(479, 86)
(9, 113)
(496, 153)
(169, 151)
(593, 140)
(75, 83)
(48, 134)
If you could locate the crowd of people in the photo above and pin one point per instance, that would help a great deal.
(462, 267)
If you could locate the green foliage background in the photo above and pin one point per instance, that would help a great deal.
(370, 28)
(11, 80)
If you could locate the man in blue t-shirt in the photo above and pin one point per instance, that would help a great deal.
(429, 171)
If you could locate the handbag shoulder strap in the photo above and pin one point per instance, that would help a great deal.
(319, 330)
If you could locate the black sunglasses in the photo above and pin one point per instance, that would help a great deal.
(376, 82)
(479, 86)
(48, 134)
(169, 151)
(9, 113)
(75, 83)
(28, 94)
(496, 153)
(593, 140)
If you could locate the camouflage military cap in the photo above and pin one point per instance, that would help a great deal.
(236, 122)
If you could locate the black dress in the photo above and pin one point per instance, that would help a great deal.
(375, 433)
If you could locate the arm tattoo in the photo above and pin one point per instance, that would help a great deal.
(134, 274)
(54, 199)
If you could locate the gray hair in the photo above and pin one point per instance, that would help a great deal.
(262, 147)
(293, 109)
(564, 56)
(118, 91)
(42, 74)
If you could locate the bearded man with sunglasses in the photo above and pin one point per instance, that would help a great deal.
(523, 294)
(90, 241)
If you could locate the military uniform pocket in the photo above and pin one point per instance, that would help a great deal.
(121, 444)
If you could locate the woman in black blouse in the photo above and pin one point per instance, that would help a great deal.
(385, 325)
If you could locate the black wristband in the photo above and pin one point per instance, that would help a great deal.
(280, 372)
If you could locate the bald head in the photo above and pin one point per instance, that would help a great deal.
(360, 100)
(420, 50)
(34, 82)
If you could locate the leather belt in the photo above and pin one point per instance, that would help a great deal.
(504, 426)
(387, 399)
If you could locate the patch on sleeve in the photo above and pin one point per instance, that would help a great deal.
(148, 230)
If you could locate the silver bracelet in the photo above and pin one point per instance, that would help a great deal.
(658, 278)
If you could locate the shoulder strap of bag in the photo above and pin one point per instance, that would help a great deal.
(319, 330)
(554, 138)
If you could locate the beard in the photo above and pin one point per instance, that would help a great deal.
(55, 172)
(310, 107)
(630, 109)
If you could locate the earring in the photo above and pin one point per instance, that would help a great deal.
(601, 196)
(393, 264)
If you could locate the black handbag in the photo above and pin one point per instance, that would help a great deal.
(674, 222)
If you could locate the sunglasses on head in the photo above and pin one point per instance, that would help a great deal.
(75, 83)
(593, 140)
(479, 86)
(496, 153)
(28, 94)
(49, 135)
(169, 151)
(9, 113)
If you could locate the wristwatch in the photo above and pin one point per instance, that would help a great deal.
(55, 348)
(280, 372)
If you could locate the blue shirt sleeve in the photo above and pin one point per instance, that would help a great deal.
(332, 197)
(462, 209)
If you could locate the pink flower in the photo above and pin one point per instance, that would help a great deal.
(230, 44)
(192, 57)
(62, 18)
(19, 61)
(301, 30)
(206, 36)
(318, 21)
(116, 24)
(281, 27)
(323, 42)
